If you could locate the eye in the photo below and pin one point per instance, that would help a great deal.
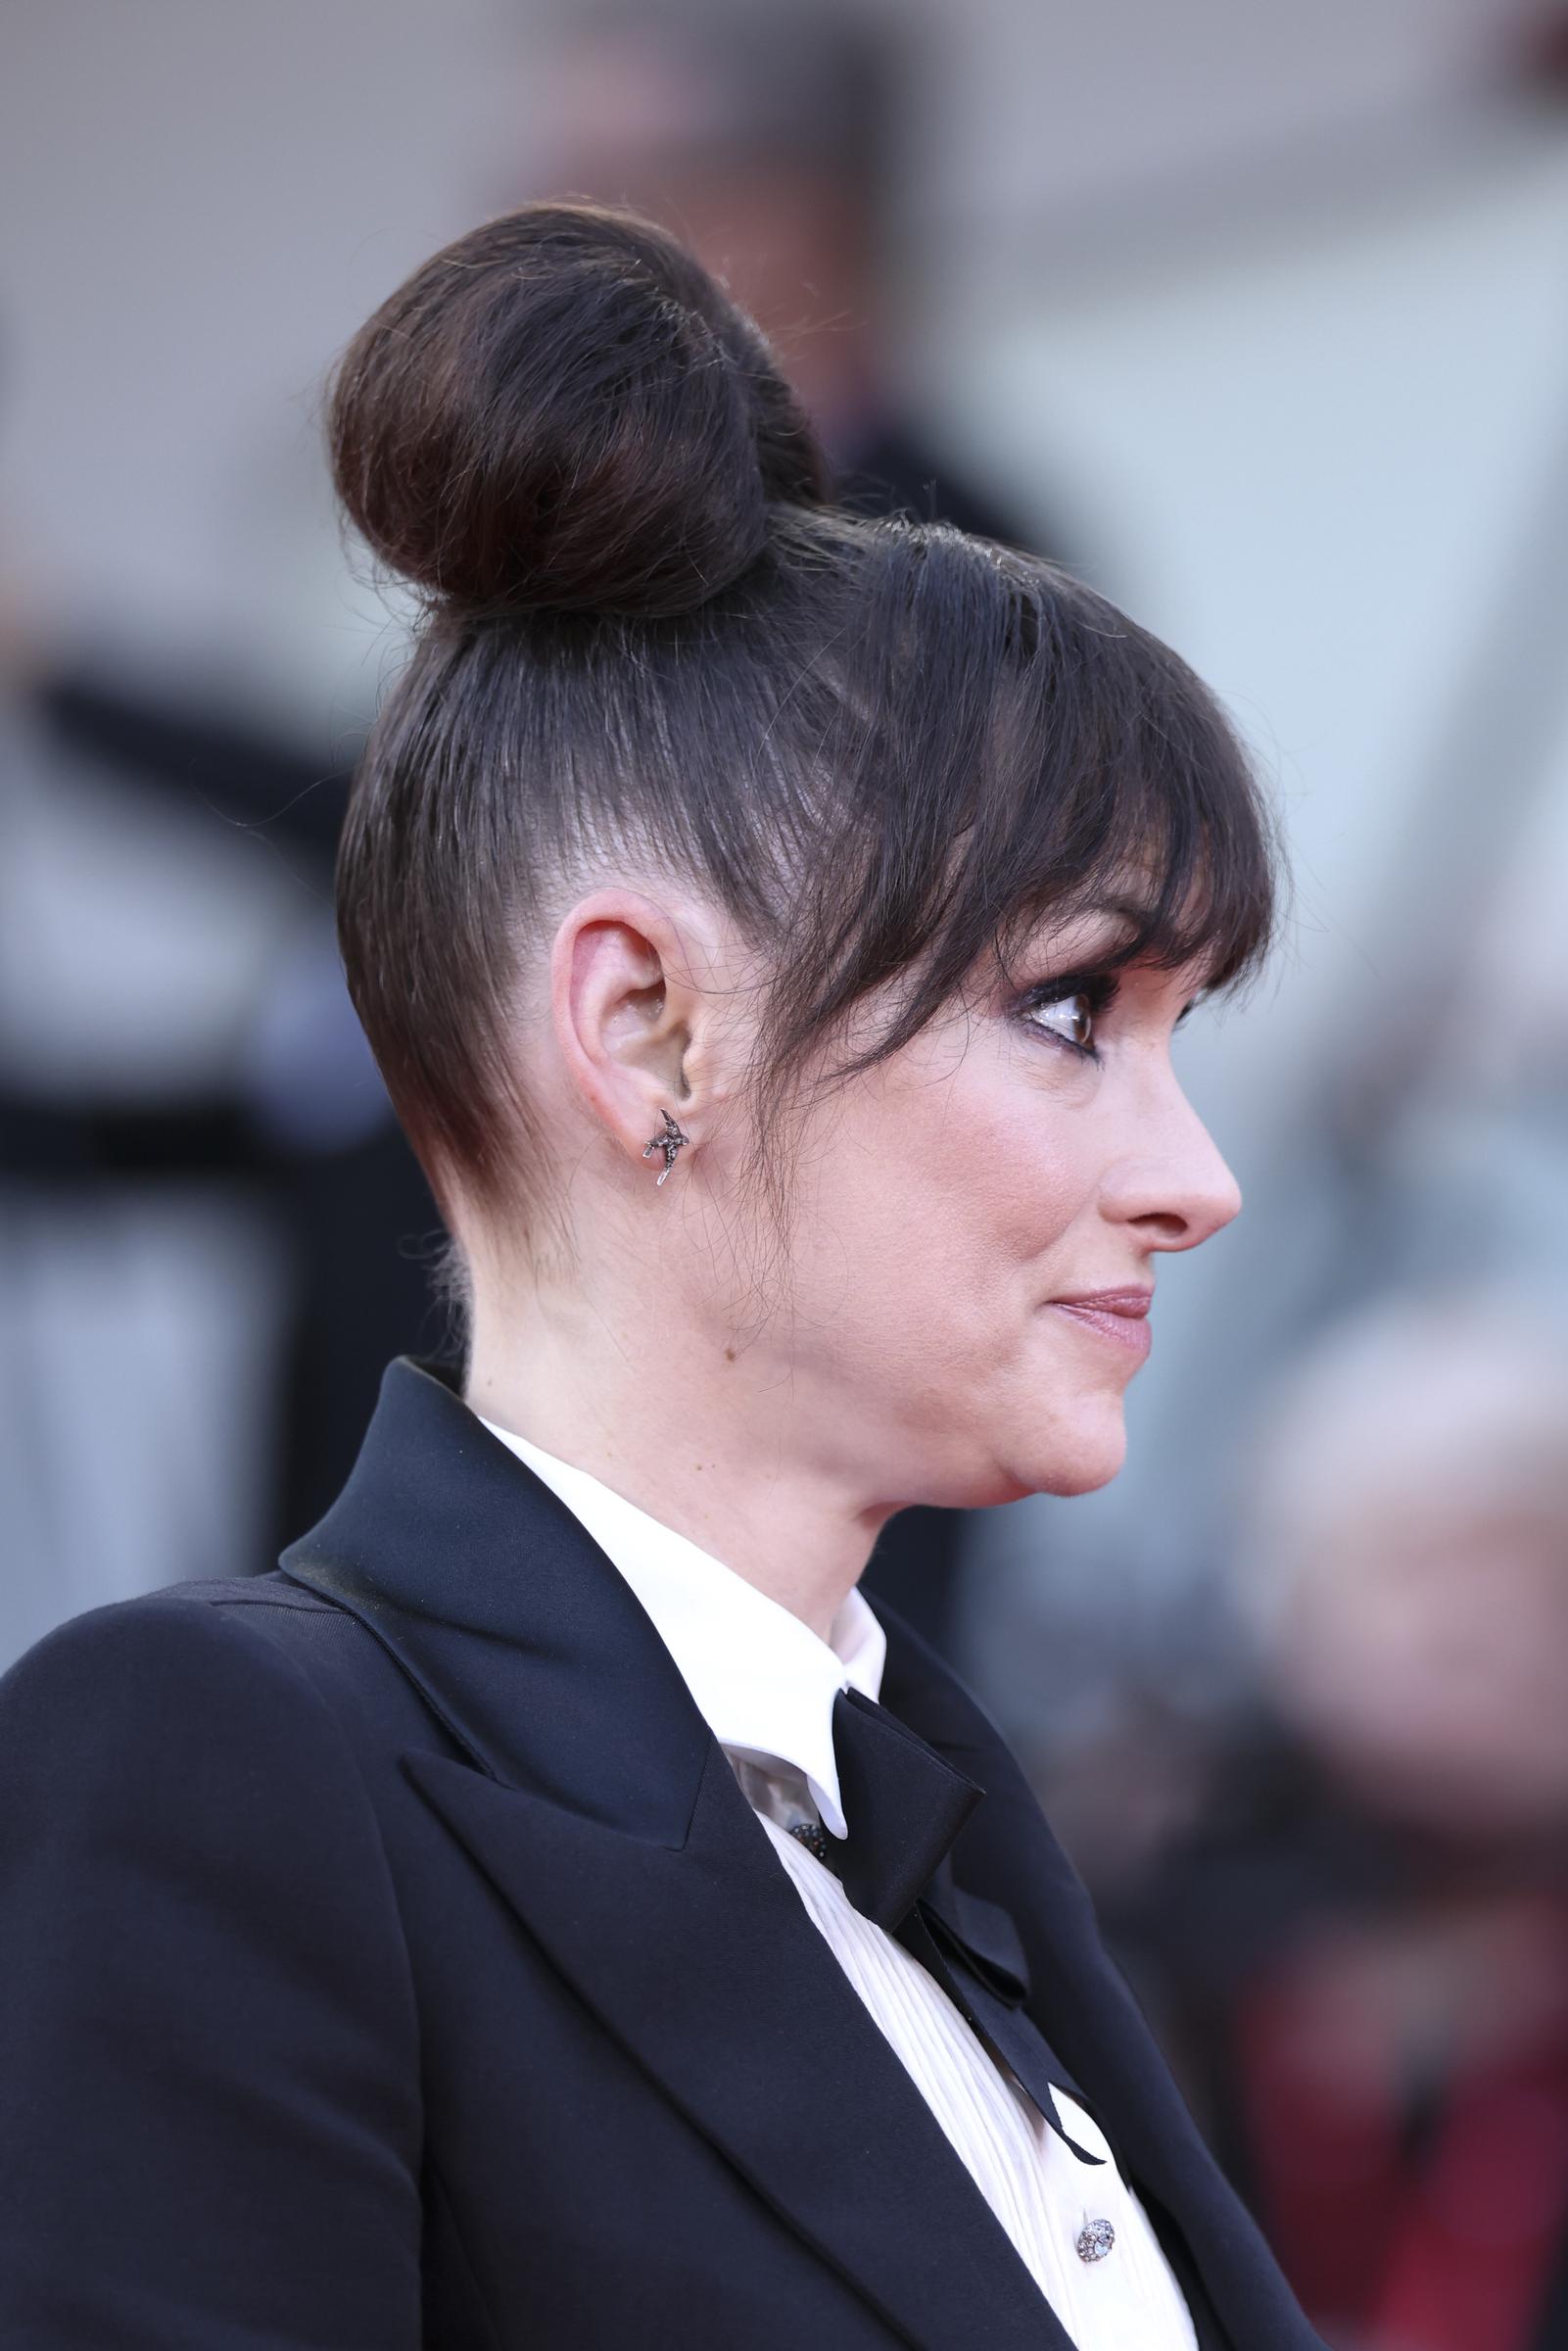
(1070, 1018)
(1067, 1012)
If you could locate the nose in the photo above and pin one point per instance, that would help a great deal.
(1176, 1189)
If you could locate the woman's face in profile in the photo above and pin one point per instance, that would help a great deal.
(962, 1205)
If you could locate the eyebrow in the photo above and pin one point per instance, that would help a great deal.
(1136, 913)
(1082, 920)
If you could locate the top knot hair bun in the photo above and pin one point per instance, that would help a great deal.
(563, 410)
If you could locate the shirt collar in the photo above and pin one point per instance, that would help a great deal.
(763, 1681)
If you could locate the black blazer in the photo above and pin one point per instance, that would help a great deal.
(390, 1958)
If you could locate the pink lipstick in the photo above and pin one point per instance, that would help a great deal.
(1120, 1316)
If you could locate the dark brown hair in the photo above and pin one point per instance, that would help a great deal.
(882, 748)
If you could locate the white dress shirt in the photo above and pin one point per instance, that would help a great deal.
(765, 1683)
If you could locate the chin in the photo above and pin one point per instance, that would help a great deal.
(1088, 1461)
(1075, 1458)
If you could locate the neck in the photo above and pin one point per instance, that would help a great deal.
(713, 1450)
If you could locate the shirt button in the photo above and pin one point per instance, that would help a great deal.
(1094, 2240)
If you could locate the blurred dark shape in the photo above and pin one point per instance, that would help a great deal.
(240, 775)
(1538, 54)
(1360, 1953)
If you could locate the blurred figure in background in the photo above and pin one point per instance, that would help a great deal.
(1366, 1944)
(775, 144)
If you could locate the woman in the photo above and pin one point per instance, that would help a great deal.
(551, 1907)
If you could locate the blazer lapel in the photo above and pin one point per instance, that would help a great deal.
(603, 1812)
(1084, 2006)
(702, 1963)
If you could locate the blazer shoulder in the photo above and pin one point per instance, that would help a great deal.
(211, 2006)
(279, 1652)
(187, 1641)
(158, 1739)
(178, 1689)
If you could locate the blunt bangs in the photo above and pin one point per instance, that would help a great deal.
(1016, 753)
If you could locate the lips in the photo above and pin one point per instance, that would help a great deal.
(1133, 1301)
(1119, 1316)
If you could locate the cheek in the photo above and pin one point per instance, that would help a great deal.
(942, 1193)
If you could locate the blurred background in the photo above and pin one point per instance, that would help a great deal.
(1256, 315)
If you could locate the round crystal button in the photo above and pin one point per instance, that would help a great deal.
(1094, 2240)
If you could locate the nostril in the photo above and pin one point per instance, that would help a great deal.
(1163, 1226)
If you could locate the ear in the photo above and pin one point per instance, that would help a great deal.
(633, 1008)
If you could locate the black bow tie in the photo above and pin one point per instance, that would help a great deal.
(904, 1805)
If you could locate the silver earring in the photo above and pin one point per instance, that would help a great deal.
(669, 1142)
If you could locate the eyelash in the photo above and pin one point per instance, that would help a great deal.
(1099, 988)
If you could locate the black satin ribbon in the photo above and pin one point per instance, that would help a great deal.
(905, 1805)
